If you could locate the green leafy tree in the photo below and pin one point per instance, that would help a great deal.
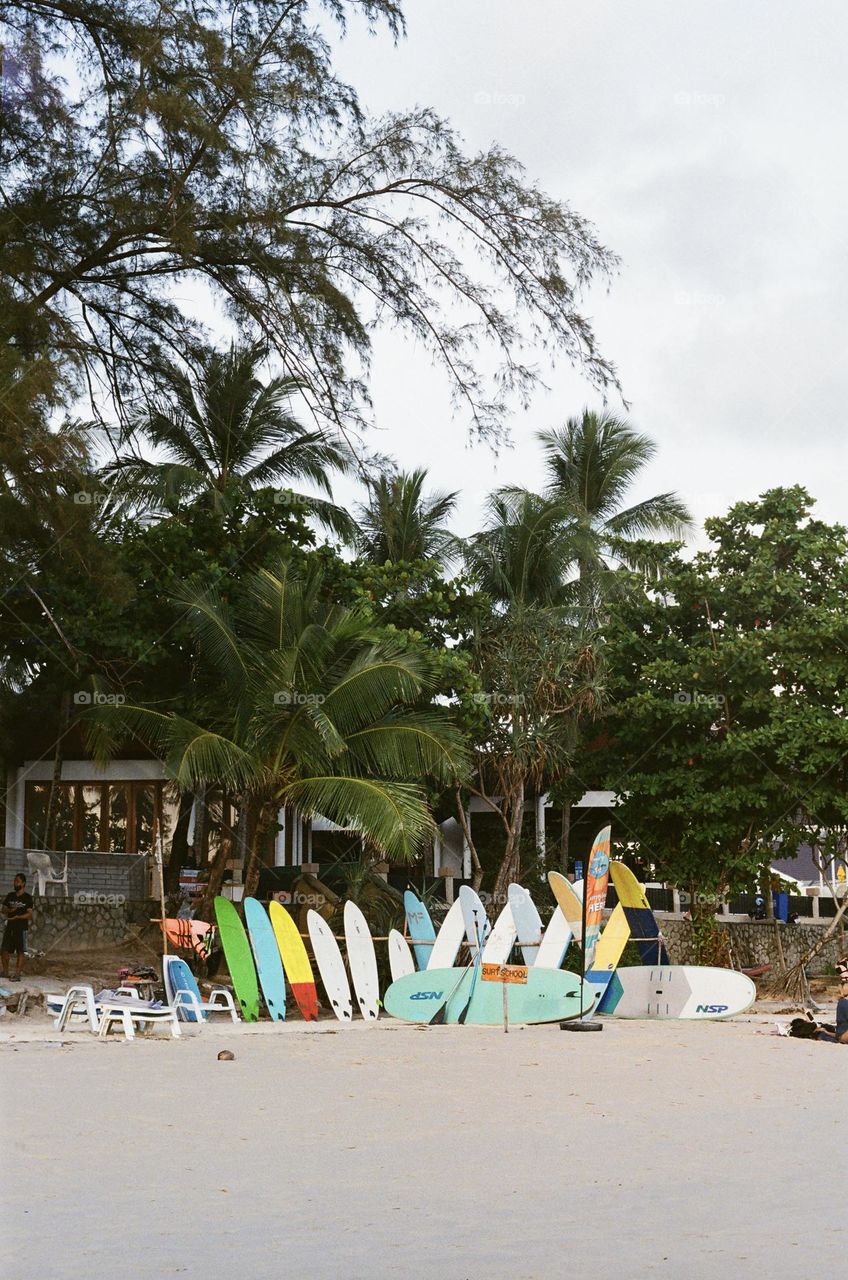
(156, 154)
(726, 735)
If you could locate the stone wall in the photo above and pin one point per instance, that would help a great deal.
(118, 874)
(756, 944)
(62, 926)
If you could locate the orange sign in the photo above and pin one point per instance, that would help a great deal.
(504, 973)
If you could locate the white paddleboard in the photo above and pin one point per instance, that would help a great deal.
(528, 922)
(448, 940)
(330, 966)
(555, 942)
(400, 956)
(677, 991)
(474, 917)
(501, 939)
(362, 960)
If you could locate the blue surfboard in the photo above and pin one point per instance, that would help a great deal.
(421, 928)
(269, 965)
(178, 977)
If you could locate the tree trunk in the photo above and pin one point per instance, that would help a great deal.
(49, 835)
(510, 867)
(261, 816)
(564, 838)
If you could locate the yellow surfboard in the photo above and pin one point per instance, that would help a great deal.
(642, 922)
(295, 961)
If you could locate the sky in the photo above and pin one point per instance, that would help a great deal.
(706, 141)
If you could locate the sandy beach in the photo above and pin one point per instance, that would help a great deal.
(651, 1149)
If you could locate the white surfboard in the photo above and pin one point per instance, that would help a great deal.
(362, 960)
(330, 966)
(448, 940)
(474, 916)
(528, 922)
(677, 991)
(501, 940)
(401, 961)
(555, 942)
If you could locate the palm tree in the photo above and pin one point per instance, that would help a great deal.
(222, 433)
(399, 524)
(519, 558)
(591, 464)
(309, 706)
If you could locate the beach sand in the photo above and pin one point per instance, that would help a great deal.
(650, 1149)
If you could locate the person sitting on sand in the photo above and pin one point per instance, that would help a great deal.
(17, 908)
(808, 1028)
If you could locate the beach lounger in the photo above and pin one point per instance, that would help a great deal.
(123, 1005)
(184, 993)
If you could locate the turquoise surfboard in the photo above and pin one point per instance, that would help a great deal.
(549, 995)
(421, 928)
(269, 965)
(238, 957)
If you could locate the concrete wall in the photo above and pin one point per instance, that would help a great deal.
(120, 874)
(756, 944)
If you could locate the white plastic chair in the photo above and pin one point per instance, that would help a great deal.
(220, 1001)
(41, 867)
(125, 1007)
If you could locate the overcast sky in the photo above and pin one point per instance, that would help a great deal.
(706, 140)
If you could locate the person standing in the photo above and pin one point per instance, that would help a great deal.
(17, 910)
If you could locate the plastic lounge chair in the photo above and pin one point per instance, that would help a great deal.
(186, 998)
(78, 1002)
(130, 1012)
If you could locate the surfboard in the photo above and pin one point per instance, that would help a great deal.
(331, 966)
(400, 956)
(643, 923)
(422, 931)
(474, 918)
(595, 889)
(677, 991)
(296, 964)
(449, 939)
(178, 977)
(266, 953)
(239, 958)
(568, 902)
(528, 922)
(549, 995)
(501, 940)
(555, 942)
(362, 960)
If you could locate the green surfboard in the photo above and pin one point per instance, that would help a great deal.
(239, 958)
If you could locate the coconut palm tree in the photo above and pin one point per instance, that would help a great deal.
(398, 523)
(307, 705)
(520, 558)
(591, 463)
(222, 432)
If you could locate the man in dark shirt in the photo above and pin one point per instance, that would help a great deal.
(17, 910)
